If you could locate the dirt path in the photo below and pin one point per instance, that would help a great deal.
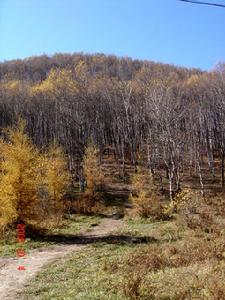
(12, 280)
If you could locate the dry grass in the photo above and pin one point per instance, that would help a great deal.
(190, 267)
(201, 214)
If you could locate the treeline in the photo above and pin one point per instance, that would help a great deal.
(170, 118)
(37, 68)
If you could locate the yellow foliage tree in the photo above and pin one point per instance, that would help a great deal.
(89, 201)
(58, 83)
(26, 175)
(144, 196)
(92, 169)
(7, 199)
(18, 185)
(57, 177)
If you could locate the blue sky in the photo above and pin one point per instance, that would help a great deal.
(168, 31)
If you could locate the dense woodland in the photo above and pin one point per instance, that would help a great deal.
(169, 118)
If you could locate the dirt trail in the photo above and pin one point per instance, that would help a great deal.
(12, 280)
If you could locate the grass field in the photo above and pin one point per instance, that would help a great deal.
(171, 262)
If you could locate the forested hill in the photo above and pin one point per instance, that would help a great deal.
(37, 68)
(171, 118)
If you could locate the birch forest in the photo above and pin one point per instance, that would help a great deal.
(168, 118)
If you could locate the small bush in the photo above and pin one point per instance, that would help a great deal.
(145, 198)
(88, 203)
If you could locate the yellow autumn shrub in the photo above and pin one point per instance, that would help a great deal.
(90, 199)
(144, 196)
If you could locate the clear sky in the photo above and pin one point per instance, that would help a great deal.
(160, 30)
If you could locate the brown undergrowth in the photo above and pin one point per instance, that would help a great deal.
(185, 268)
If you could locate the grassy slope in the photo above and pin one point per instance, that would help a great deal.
(176, 265)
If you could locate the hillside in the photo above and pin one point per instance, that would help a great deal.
(135, 149)
(169, 118)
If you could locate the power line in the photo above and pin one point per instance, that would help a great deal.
(204, 3)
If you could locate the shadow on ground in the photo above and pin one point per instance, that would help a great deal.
(83, 240)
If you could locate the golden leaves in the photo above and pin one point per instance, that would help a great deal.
(58, 83)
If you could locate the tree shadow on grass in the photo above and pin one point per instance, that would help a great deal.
(91, 239)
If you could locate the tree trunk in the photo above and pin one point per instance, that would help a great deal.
(222, 167)
(201, 179)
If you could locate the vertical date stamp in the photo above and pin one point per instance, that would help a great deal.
(21, 237)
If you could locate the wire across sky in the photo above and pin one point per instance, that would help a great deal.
(204, 3)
